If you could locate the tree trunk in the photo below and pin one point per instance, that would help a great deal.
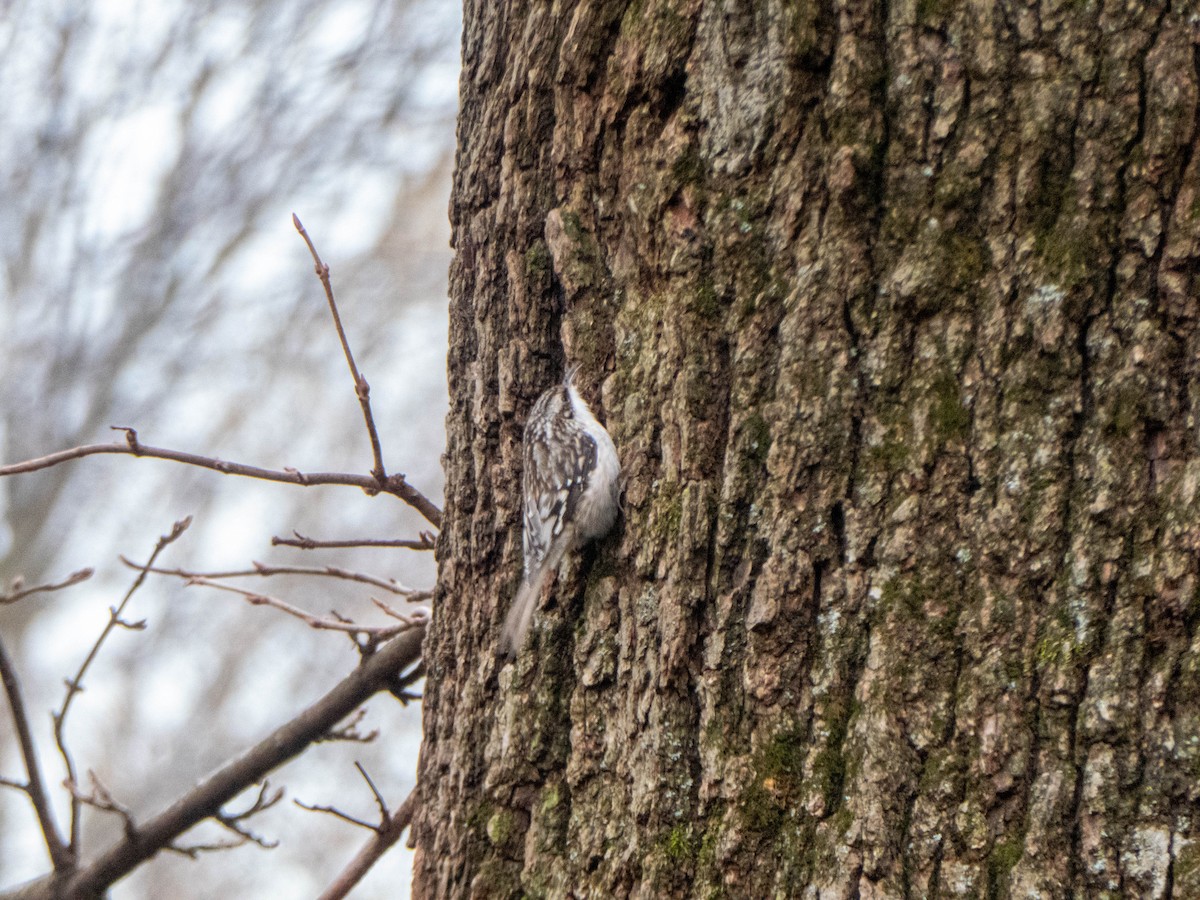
(890, 311)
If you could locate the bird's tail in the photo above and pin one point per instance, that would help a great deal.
(520, 615)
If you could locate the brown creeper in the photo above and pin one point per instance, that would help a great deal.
(570, 487)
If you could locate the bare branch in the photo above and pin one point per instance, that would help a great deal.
(361, 388)
(261, 569)
(375, 632)
(61, 856)
(18, 591)
(425, 541)
(75, 685)
(392, 484)
(387, 834)
(378, 673)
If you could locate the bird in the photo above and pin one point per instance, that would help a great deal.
(570, 488)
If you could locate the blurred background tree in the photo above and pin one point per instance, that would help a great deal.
(150, 157)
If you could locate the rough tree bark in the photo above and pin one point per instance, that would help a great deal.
(890, 309)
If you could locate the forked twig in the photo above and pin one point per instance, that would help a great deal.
(346, 817)
(387, 833)
(101, 798)
(233, 821)
(75, 685)
(375, 633)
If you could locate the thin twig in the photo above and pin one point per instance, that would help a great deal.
(193, 851)
(61, 855)
(387, 584)
(75, 685)
(392, 484)
(101, 798)
(233, 821)
(395, 613)
(387, 834)
(349, 731)
(361, 388)
(379, 801)
(18, 591)
(334, 811)
(376, 632)
(425, 541)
